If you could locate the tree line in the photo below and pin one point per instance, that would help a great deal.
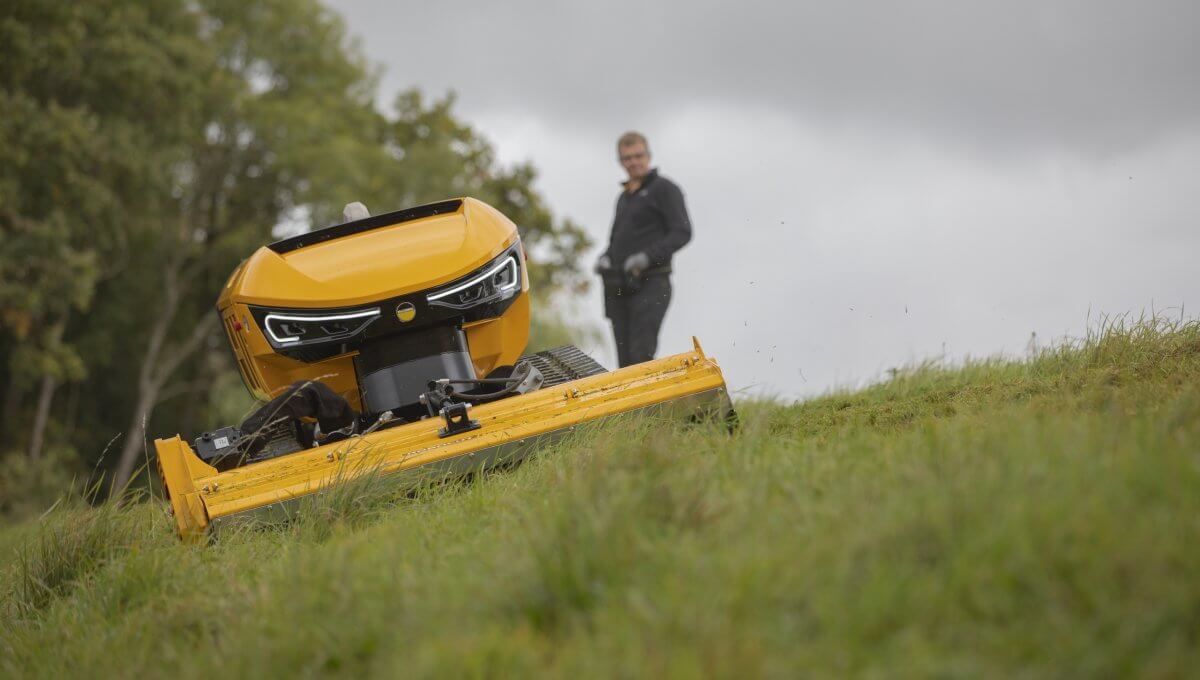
(146, 147)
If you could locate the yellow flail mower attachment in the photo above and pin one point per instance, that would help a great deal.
(688, 385)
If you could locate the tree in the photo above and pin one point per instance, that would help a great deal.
(83, 146)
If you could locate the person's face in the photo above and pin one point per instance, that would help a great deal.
(635, 158)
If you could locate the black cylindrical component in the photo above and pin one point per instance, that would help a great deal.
(394, 371)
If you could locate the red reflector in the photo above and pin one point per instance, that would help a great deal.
(237, 325)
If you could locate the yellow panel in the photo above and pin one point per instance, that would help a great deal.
(500, 341)
(178, 467)
(266, 373)
(377, 264)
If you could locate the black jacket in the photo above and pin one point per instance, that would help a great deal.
(652, 220)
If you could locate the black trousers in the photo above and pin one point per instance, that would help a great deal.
(637, 314)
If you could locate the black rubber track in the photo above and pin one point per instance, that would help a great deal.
(563, 364)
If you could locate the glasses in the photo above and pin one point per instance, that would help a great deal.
(632, 156)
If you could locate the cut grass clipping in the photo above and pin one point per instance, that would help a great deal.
(1039, 518)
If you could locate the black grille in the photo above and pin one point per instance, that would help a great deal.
(287, 245)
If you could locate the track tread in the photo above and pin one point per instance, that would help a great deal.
(563, 364)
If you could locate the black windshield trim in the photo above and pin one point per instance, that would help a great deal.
(287, 245)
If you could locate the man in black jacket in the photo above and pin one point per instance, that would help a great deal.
(651, 223)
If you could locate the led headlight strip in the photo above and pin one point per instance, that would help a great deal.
(366, 314)
(514, 280)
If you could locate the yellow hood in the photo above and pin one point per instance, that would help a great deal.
(374, 263)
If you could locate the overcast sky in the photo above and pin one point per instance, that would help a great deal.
(870, 184)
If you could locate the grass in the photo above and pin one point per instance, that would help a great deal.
(1037, 518)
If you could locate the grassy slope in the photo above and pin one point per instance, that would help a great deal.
(1040, 518)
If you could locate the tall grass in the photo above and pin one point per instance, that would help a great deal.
(1033, 518)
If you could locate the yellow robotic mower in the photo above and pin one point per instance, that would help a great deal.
(396, 343)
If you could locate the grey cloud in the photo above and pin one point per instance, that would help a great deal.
(1087, 77)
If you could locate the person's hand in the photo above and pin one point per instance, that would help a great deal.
(604, 264)
(636, 264)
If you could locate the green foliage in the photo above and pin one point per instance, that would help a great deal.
(28, 486)
(1044, 526)
(91, 124)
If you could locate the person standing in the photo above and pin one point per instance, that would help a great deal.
(650, 225)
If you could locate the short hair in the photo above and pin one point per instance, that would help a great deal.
(630, 138)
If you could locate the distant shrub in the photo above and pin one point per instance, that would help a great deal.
(28, 487)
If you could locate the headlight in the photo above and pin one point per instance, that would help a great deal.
(296, 329)
(498, 282)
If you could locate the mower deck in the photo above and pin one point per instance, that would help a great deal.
(201, 497)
